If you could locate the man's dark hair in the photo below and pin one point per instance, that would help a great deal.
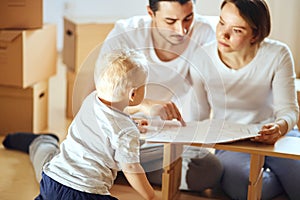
(154, 4)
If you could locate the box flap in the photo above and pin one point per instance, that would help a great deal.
(15, 92)
(9, 36)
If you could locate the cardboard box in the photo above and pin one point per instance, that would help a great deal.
(24, 109)
(79, 86)
(70, 76)
(21, 14)
(27, 56)
(81, 36)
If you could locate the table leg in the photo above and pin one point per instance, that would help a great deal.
(172, 171)
(255, 177)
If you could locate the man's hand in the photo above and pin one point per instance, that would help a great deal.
(167, 111)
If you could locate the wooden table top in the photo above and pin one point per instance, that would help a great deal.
(285, 147)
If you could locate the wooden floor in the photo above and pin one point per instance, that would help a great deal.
(17, 179)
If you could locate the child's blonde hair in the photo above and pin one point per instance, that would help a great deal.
(121, 70)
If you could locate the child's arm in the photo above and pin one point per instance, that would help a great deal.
(136, 177)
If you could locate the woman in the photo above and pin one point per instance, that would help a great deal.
(250, 79)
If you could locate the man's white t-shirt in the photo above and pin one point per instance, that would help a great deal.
(167, 80)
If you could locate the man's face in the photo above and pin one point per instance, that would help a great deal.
(173, 20)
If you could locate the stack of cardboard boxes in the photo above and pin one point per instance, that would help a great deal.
(83, 37)
(27, 60)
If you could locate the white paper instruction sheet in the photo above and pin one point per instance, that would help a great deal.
(203, 132)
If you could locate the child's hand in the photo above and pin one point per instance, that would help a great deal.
(141, 123)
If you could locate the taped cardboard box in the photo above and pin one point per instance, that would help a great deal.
(21, 14)
(81, 36)
(24, 110)
(27, 56)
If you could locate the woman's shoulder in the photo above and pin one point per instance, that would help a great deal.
(275, 51)
(274, 45)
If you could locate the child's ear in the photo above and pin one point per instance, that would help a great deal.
(132, 94)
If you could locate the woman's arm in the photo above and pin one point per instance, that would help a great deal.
(284, 99)
(284, 92)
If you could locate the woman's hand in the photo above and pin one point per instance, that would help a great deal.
(269, 134)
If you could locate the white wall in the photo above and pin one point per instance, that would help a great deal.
(111, 8)
(285, 25)
(284, 13)
(54, 10)
(53, 13)
(208, 7)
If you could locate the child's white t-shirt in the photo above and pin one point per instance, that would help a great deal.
(98, 140)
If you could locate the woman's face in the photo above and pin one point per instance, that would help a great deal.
(234, 34)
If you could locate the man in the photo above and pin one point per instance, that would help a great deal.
(168, 37)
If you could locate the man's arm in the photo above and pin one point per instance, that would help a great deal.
(165, 110)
